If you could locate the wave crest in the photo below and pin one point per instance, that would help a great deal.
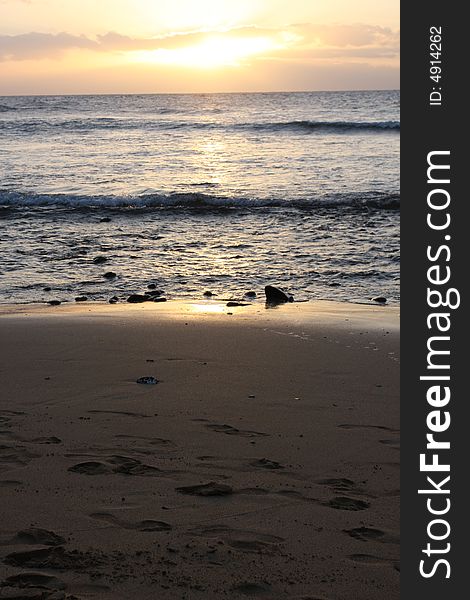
(194, 200)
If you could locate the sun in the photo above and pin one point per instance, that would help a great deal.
(214, 51)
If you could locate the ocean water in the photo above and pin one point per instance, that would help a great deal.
(196, 192)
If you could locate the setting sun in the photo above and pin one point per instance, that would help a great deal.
(214, 51)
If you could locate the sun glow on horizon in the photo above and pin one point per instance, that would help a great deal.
(213, 52)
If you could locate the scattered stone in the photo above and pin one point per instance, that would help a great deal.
(208, 294)
(81, 298)
(250, 294)
(137, 298)
(147, 380)
(99, 260)
(152, 286)
(275, 295)
(155, 292)
(334, 284)
(47, 289)
(160, 299)
(114, 300)
(379, 299)
(105, 220)
(234, 303)
(54, 302)
(110, 275)
(207, 489)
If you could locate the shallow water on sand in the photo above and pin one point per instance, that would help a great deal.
(222, 192)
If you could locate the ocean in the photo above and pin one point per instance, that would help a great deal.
(200, 192)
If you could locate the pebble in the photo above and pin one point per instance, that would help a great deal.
(147, 380)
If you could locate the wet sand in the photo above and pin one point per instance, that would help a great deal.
(264, 462)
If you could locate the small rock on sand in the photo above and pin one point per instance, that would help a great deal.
(81, 298)
(137, 298)
(147, 380)
(99, 260)
(276, 295)
(54, 302)
(379, 300)
(110, 275)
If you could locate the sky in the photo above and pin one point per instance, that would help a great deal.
(172, 46)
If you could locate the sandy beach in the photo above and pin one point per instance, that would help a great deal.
(263, 463)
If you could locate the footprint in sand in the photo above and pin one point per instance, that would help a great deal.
(155, 442)
(241, 539)
(381, 427)
(366, 534)
(369, 559)
(46, 440)
(121, 413)
(122, 465)
(53, 558)
(206, 489)
(395, 444)
(342, 485)
(34, 580)
(15, 456)
(252, 589)
(148, 525)
(39, 537)
(10, 483)
(346, 503)
(265, 463)
(229, 430)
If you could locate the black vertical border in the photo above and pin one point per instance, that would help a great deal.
(426, 128)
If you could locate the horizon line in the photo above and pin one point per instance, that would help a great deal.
(12, 95)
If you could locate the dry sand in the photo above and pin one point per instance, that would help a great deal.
(265, 462)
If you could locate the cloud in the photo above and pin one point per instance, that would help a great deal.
(295, 42)
(28, 46)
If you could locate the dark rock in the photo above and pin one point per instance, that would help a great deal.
(379, 300)
(114, 300)
(334, 284)
(208, 294)
(159, 299)
(147, 380)
(152, 286)
(110, 275)
(99, 260)
(155, 292)
(47, 289)
(137, 298)
(81, 298)
(275, 295)
(105, 220)
(234, 303)
(54, 302)
(250, 294)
